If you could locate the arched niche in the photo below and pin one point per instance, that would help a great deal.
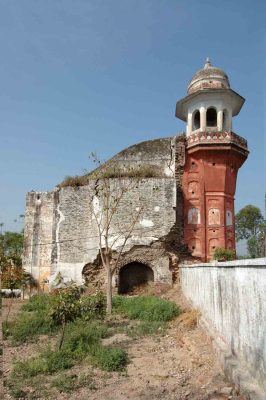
(211, 117)
(194, 246)
(133, 275)
(196, 120)
(230, 244)
(214, 217)
(194, 215)
(193, 189)
(229, 218)
(213, 244)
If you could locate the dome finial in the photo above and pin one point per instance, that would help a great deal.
(207, 63)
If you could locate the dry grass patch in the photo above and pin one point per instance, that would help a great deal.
(189, 319)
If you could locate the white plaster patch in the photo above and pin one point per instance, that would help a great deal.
(156, 208)
(69, 271)
(147, 223)
(96, 205)
(168, 171)
(61, 219)
(137, 208)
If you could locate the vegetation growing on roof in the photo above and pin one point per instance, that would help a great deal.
(111, 171)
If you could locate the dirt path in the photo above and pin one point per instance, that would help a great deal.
(178, 366)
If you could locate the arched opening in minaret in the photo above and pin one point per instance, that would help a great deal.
(211, 117)
(196, 120)
(134, 275)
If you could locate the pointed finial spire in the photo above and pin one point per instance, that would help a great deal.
(207, 63)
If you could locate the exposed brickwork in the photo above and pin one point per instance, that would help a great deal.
(209, 184)
(71, 239)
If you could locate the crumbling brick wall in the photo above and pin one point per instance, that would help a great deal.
(61, 233)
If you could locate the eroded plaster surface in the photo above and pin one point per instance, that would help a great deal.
(231, 297)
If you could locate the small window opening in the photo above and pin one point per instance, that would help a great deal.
(214, 231)
(193, 247)
(211, 117)
(213, 163)
(196, 120)
(194, 230)
(213, 212)
(193, 163)
(193, 192)
(38, 197)
(213, 247)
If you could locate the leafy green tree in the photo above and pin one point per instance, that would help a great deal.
(248, 222)
(11, 246)
(251, 226)
(65, 308)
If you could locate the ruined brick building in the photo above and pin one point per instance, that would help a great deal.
(187, 201)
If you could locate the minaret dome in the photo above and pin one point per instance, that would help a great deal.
(210, 103)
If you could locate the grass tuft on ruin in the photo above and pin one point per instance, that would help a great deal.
(112, 171)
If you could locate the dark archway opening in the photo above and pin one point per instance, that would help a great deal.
(211, 117)
(134, 275)
(196, 120)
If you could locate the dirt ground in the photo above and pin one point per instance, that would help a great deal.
(178, 366)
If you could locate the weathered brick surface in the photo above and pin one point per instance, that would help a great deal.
(64, 230)
(61, 233)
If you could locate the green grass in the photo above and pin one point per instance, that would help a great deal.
(111, 358)
(28, 325)
(147, 328)
(82, 341)
(69, 383)
(34, 318)
(82, 338)
(146, 308)
(47, 362)
(38, 302)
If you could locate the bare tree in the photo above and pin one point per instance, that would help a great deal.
(111, 191)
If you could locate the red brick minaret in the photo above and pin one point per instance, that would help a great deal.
(213, 156)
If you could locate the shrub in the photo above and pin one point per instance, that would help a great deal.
(65, 308)
(93, 306)
(16, 389)
(31, 388)
(47, 362)
(6, 327)
(221, 254)
(69, 383)
(111, 358)
(38, 302)
(58, 360)
(28, 325)
(146, 308)
(81, 337)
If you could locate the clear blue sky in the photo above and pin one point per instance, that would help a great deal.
(91, 75)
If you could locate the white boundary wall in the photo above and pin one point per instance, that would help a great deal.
(231, 297)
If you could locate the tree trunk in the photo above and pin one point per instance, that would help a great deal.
(62, 335)
(109, 291)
